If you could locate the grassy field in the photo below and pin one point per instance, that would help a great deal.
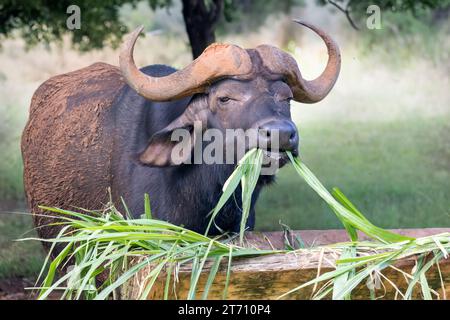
(382, 136)
(18, 259)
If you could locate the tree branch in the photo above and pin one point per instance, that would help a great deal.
(346, 11)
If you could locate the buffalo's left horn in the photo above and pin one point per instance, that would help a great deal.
(217, 61)
(280, 62)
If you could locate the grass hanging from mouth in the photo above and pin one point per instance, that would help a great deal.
(247, 173)
(105, 243)
(346, 212)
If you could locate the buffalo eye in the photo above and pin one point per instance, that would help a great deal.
(224, 99)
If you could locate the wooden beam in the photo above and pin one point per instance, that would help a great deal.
(267, 277)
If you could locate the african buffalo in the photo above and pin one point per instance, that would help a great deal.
(104, 127)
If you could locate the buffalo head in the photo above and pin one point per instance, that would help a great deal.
(232, 88)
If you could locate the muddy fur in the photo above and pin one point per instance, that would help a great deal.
(67, 142)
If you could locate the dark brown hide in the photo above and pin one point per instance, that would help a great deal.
(67, 142)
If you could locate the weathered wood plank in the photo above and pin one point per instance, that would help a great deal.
(268, 240)
(267, 277)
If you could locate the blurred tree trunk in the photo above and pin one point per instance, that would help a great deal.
(441, 14)
(200, 20)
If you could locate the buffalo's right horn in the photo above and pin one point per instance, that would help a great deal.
(217, 61)
(306, 91)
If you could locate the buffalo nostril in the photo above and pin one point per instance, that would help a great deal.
(284, 132)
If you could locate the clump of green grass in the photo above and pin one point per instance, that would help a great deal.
(359, 260)
(104, 242)
(97, 243)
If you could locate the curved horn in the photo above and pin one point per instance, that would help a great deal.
(217, 61)
(280, 62)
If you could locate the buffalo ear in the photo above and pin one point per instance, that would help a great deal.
(174, 144)
(169, 147)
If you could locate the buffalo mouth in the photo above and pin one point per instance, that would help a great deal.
(279, 156)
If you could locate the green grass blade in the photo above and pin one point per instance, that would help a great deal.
(421, 270)
(248, 184)
(343, 214)
(340, 281)
(147, 208)
(53, 268)
(197, 273)
(212, 276)
(227, 278)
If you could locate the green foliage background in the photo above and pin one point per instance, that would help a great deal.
(44, 21)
